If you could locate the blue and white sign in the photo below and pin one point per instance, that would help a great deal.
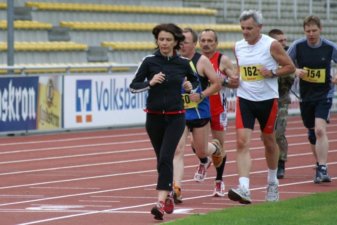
(96, 101)
(18, 103)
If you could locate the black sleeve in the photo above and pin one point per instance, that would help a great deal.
(140, 82)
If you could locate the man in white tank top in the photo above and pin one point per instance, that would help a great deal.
(260, 61)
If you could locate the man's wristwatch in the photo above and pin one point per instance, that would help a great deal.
(273, 73)
(225, 82)
(201, 96)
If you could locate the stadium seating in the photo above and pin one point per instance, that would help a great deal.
(89, 22)
(121, 31)
(45, 46)
(46, 52)
(118, 8)
(26, 25)
(67, 68)
(43, 11)
(133, 52)
(135, 46)
(93, 33)
(121, 46)
(3, 5)
(144, 26)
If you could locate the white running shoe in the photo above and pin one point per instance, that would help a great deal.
(219, 188)
(201, 172)
(240, 194)
(272, 192)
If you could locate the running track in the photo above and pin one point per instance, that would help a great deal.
(108, 177)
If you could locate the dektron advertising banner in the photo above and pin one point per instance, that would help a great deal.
(18, 103)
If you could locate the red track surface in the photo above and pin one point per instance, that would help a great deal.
(108, 177)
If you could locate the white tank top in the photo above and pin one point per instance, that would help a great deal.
(254, 86)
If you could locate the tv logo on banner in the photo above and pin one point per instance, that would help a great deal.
(83, 101)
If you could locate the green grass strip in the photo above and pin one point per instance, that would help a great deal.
(316, 209)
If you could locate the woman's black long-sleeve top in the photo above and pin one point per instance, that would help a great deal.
(164, 97)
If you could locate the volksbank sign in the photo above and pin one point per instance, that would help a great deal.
(102, 101)
(112, 96)
(18, 103)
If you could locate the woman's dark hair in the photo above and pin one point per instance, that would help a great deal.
(176, 31)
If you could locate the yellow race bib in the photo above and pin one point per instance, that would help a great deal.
(188, 104)
(251, 73)
(314, 75)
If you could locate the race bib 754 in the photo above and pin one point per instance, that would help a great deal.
(314, 75)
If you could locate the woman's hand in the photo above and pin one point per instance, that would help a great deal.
(187, 86)
(158, 78)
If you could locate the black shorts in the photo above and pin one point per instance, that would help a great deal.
(264, 111)
(197, 123)
(315, 109)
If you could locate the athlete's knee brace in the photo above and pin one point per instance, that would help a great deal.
(311, 136)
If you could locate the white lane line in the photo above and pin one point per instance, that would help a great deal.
(95, 137)
(66, 188)
(287, 168)
(64, 139)
(135, 187)
(126, 142)
(37, 210)
(56, 207)
(92, 145)
(73, 167)
(182, 211)
(85, 214)
(100, 201)
(123, 174)
(153, 185)
(79, 194)
(70, 147)
(109, 163)
(22, 196)
(77, 179)
(73, 156)
(298, 192)
(124, 197)
(147, 204)
(179, 211)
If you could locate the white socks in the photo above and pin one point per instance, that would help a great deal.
(272, 178)
(244, 182)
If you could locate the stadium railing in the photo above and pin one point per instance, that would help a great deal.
(27, 25)
(45, 46)
(132, 45)
(144, 26)
(66, 68)
(3, 5)
(118, 8)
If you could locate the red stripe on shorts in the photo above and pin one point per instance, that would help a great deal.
(270, 126)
